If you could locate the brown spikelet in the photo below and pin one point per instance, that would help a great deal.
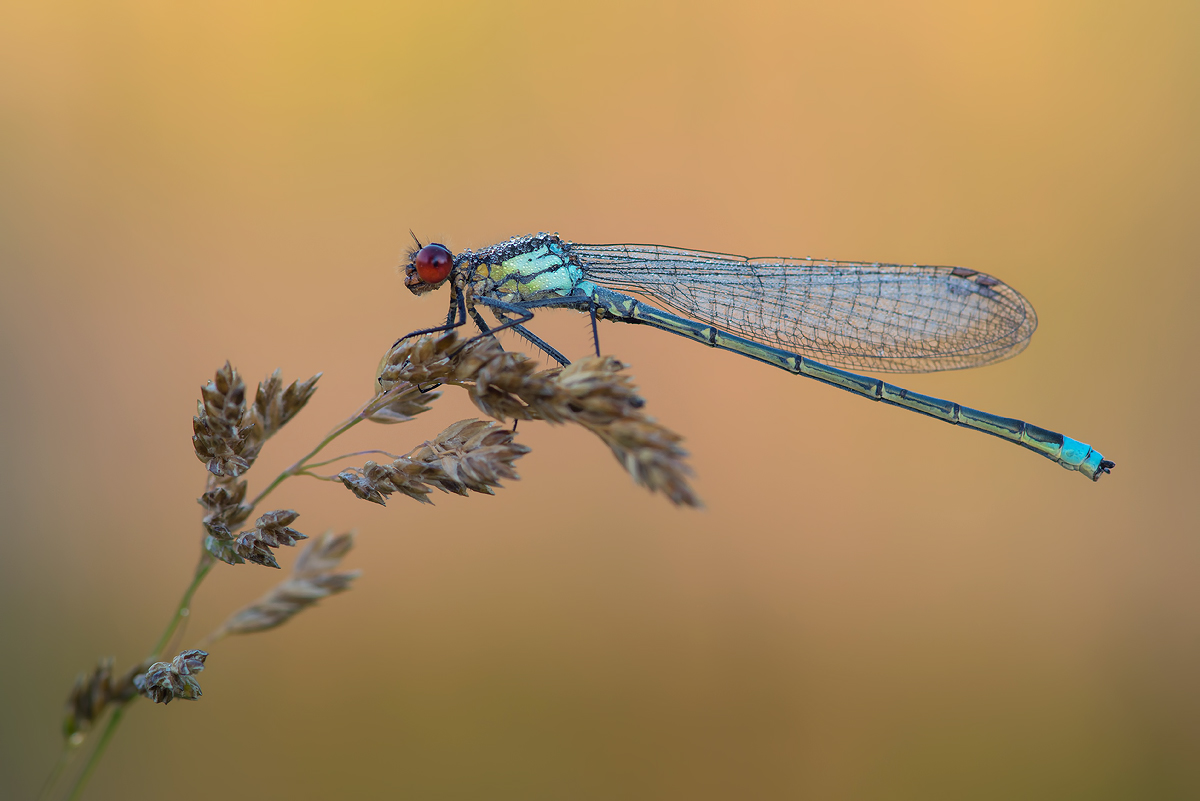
(313, 577)
(593, 393)
(400, 405)
(502, 384)
(222, 449)
(224, 398)
(165, 681)
(425, 359)
(373, 482)
(408, 374)
(481, 366)
(94, 692)
(89, 698)
(219, 437)
(223, 506)
(650, 454)
(470, 455)
(274, 406)
(271, 530)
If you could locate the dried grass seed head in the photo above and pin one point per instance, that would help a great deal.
(313, 577)
(425, 359)
(400, 405)
(471, 454)
(165, 681)
(89, 698)
(224, 506)
(652, 456)
(274, 406)
(218, 436)
(224, 398)
(94, 692)
(592, 392)
(227, 435)
(468, 455)
(224, 451)
(270, 531)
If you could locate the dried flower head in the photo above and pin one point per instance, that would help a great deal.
(220, 448)
(274, 406)
(219, 437)
(468, 455)
(224, 398)
(426, 359)
(94, 691)
(313, 577)
(591, 392)
(271, 530)
(402, 406)
(224, 507)
(165, 681)
(227, 435)
(652, 456)
(89, 698)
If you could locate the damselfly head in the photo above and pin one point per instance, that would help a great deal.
(428, 268)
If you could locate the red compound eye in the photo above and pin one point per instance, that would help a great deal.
(433, 263)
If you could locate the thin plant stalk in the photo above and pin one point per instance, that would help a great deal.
(110, 727)
(183, 610)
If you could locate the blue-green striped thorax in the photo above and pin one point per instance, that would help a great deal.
(522, 269)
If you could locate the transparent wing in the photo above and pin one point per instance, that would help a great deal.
(857, 315)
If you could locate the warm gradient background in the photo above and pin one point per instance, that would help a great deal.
(873, 605)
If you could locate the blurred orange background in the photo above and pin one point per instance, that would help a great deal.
(873, 605)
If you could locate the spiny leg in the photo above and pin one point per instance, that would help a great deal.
(479, 321)
(538, 342)
(595, 330)
(501, 309)
(531, 337)
(579, 301)
(457, 304)
(576, 300)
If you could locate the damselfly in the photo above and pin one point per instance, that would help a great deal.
(866, 316)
